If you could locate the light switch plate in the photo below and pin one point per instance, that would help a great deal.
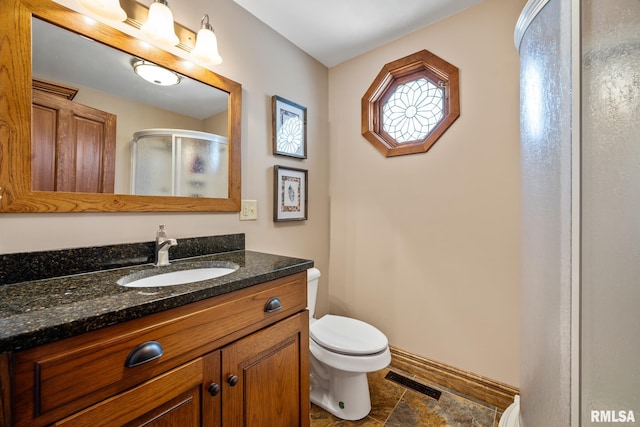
(249, 210)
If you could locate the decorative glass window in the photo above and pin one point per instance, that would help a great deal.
(410, 104)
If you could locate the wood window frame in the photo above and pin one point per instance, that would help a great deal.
(422, 64)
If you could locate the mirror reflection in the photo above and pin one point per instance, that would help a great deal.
(98, 127)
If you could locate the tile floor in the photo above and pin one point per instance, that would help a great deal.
(393, 405)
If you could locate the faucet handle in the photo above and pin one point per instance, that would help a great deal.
(161, 233)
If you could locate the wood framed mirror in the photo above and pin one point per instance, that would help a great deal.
(20, 191)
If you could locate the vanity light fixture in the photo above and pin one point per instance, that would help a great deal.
(107, 9)
(206, 48)
(154, 73)
(159, 25)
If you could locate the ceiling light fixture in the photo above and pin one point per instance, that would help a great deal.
(154, 73)
(107, 9)
(206, 48)
(159, 25)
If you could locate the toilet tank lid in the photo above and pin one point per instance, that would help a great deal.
(348, 336)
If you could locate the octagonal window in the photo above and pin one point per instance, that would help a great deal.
(410, 104)
(413, 110)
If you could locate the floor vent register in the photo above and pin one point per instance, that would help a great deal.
(413, 385)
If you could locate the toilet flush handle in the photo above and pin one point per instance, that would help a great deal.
(272, 305)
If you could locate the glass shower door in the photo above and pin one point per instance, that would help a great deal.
(176, 162)
(153, 165)
(203, 168)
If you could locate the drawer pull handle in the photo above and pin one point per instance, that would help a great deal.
(272, 305)
(232, 380)
(145, 352)
(214, 389)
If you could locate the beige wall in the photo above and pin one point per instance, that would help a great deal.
(265, 64)
(426, 246)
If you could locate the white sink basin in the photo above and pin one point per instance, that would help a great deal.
(153, 279)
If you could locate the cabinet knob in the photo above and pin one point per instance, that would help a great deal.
(232, 380)
(272, 305)
(214, 389)
(145, 352)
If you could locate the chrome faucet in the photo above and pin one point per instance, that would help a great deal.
(162, 247)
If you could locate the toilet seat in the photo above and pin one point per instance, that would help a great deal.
(347, 336)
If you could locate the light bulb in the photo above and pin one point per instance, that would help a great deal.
(159, 25)
(206, 49)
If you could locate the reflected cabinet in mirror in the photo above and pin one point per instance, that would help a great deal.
(82, 132)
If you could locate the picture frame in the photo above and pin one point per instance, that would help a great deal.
(289, 124)
(290, 190)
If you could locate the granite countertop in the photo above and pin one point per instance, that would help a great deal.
(42, 311)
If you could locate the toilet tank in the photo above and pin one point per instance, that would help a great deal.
(313, 276)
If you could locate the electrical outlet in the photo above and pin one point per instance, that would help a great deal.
(249, 210)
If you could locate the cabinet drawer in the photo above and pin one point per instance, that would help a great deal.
(174, 395)
(57, 379)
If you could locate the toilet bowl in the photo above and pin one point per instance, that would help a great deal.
(343, 350)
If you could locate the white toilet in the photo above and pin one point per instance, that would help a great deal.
(343, 350)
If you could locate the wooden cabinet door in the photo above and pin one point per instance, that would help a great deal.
(73, 146)
(180, 397)
(266, 376)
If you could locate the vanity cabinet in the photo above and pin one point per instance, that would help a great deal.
(237, 359)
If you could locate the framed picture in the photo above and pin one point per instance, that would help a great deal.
(289, 128)
(289, 194)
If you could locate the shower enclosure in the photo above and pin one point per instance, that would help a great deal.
(176, 162)
(580, 162)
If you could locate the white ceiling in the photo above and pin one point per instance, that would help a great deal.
(333, 31)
